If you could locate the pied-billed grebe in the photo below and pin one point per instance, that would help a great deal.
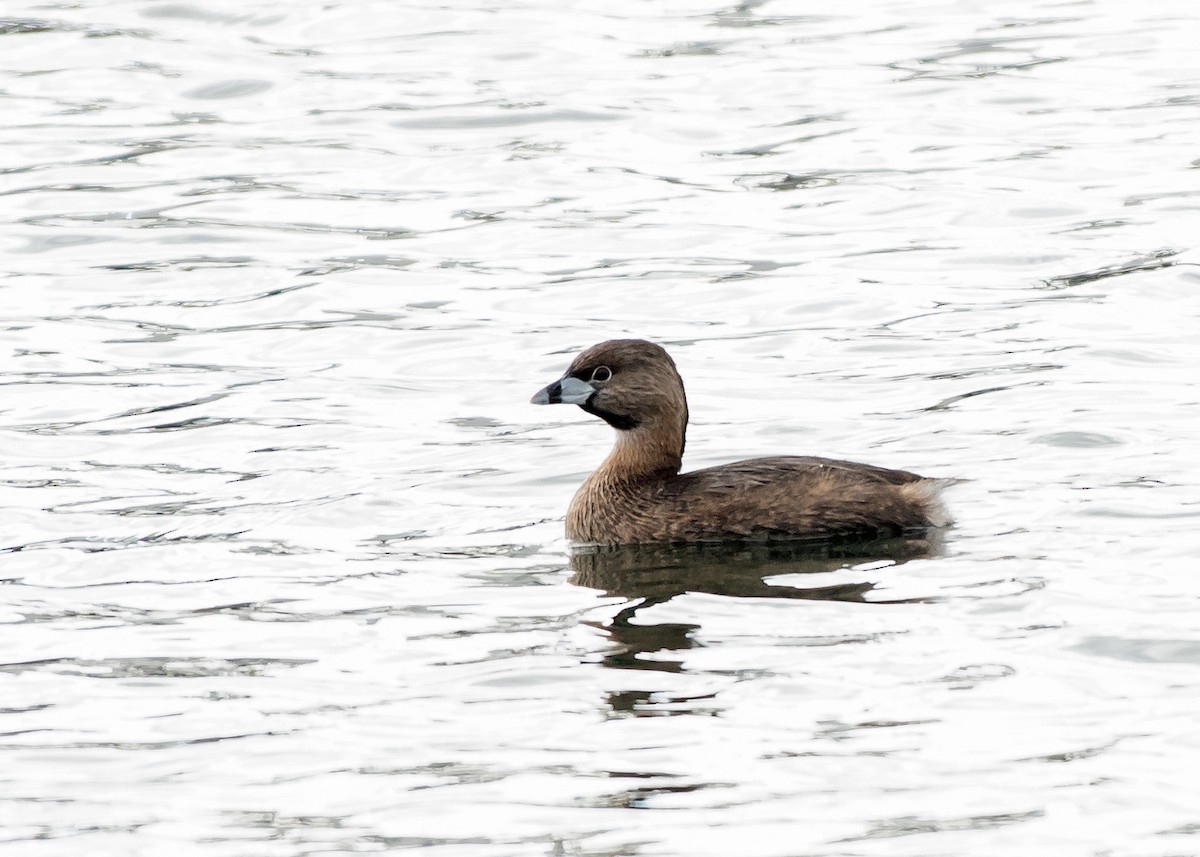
(638, 495)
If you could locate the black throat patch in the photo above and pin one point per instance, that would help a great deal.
(621, 422)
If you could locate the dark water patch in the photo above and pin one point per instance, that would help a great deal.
(1140, 198)
(985, 371)
(509, 551)
(274, 547)
(428, 843)
(375, 233)
(189, 12)
(772, 149)
(50, 482)
(659, 267)
(198, 506)
(37, 26)
(269, 611)
(159, 218)
(1127, 514)
(283, 823)
(229, 89)
(343, 264)
(235, 184)
(1093, 226)
(152, 745)
(136, 218)
(687, 49)
(345, 318)
(641, 797)
(1078, 439)
(949, 402)
(971, 675)
(475, 422)
(179, 425)
(837, 730)
(62, 187)
(911, 825)
(134, 151)
(189, 263)
(194, 303)
(1142, 651)
(648, 703)
(164, 508)
(484, 216)
(748, 13)
(161, 467)
(660, 572)
(118, 615)
(172, 406)
(658, 177)
(973, 59)
(102, 544)
(1149, 262)
(11, 26)
(502, 119)
(59, 241)
(154, 667)
(1072, 755)
(1182, 830)
(783, 181)
(152, 68)
(829, 640)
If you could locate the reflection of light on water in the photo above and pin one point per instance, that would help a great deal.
(739, 570)
(651, 575)
(281, 537)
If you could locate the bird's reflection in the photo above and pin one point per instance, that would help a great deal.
(649, 575)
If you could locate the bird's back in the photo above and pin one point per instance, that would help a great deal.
(761, 498)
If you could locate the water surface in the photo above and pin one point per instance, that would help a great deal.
(282, 539)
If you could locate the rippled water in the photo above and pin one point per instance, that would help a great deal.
(282, 538)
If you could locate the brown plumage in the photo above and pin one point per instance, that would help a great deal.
(638, 496)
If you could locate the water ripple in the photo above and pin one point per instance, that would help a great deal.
(282, 540)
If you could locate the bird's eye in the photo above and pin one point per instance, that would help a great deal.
(601, 374)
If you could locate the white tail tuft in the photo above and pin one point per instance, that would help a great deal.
(928, 492)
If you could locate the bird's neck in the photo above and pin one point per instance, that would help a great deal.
(645, 452)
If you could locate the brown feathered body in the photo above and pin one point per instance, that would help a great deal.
(638, 496)
(783, 497)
